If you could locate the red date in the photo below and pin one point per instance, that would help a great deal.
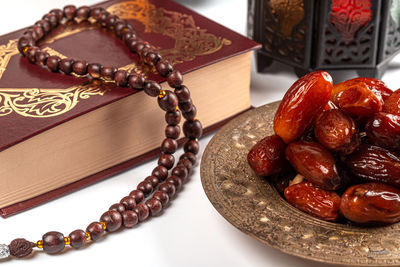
(267, 157)
(315, 163)
(383, 130)
(302, 103)
(337, 131)
(392, 104)
(313, 200)
(375, 164)
(371, 203)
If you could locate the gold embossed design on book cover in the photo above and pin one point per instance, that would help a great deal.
(190, 41)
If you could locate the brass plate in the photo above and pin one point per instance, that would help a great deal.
(253, 206)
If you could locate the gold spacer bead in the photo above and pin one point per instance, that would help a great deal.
(197, 140)
(162, 94)
(25, 49)
(176, 108)
(39, 243)
(67, 240)
(88, 236)
(195, 119)
(104, 225)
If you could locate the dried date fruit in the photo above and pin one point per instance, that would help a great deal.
(315, 163)
(337, 131)
(313, 200)
(360, 97)
(392, 104)
(376, 164)
(302, 103)
(371, 203)
(267, 157)
(383, 130)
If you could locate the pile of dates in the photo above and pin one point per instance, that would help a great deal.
(335, 151)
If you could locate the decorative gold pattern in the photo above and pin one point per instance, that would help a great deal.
(253, 206)
(190, 42)
(288, 13)
(44, 103)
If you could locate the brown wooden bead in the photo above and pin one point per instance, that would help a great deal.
(139, 46)
(164, 68)
(121, 77)
(176, 181)
(53, 63)
(39, 32)
(20, 247)
(128, 202)
(83, 12)
(167, 188)
(152, 88)
(110, 20)
(53, 242)
(168, 102)
(128, 36)
(41, 57)
(117, 207)
(130, 218)
(154, 206)
(182, 93)
(142, 211)
(191, 146)
(186, 163)
(58, 13)
(166, 160)
(108, 72)
(69, 12)
(96, 230)
(66, 65)
(181, 172)
(173, 117)
(145, 187)
(118, 28)
(162, 196)
(137, 195)
(190, 156)
(113, 220)
(31, 33)
(175, 79)
(103, 18)
(44, 24)
(52, 19)
(191, 114)
(96, 12)
(31, 54)
(94, 70)
(186, 106)
(169, 146)
(192, 129)
(154, 181)
(131, 43)
(160, 172)
(23, 42)
(78, 238)
(136, 81)
(172, 131)
(152, 57)
(80, 67)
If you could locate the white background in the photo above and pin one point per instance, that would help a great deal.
(190, 232)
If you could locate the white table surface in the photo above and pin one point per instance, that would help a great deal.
(190, 232)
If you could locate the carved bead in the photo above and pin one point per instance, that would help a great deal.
(162, 196)
(80, 67)
(160, 172)
(192, 129)
(130, 218)
(53, 242)
(20, 247)
(66, 65)
(154, 206)
(175, 79)
(128, 202)
(96, 230)
(78, 238)
(137, 195)
(53, 63)
(117, 207)
(142, 211)
(166, 160)
(113, 220)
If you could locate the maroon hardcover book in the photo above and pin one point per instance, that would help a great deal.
(189, 40)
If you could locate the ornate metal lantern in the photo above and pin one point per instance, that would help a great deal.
(363, 35)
